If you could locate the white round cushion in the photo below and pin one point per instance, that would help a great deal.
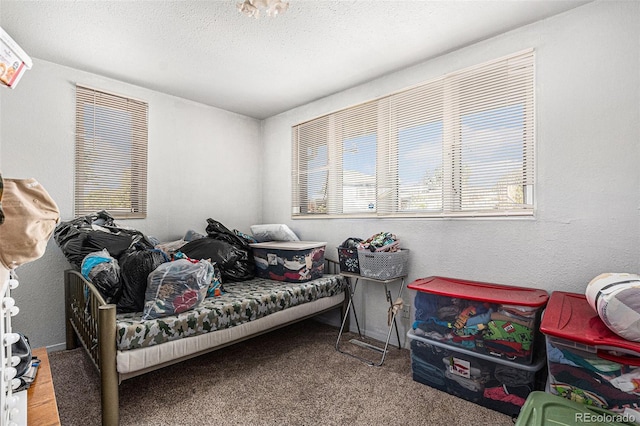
(616, 299)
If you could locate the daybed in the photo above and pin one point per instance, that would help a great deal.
(123, 346)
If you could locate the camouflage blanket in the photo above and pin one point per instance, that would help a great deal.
(243, 301)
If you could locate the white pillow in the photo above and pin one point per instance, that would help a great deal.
(616, 299)
(273, 232)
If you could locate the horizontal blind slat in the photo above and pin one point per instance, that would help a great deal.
(111, 154)
(460, 144)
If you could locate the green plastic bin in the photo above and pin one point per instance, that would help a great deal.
(541, 409)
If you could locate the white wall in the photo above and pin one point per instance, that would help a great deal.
(203, 162)
(588, 151)
(587, 188)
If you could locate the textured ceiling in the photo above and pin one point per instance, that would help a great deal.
(208, 52)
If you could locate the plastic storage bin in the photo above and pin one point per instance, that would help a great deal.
(491, 319)
(588, 363)
(348, 258)
(383, 265)
(494, 383)
(291, 261)
(541, 409)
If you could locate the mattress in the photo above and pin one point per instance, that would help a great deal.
(241, 303)
(134, 362)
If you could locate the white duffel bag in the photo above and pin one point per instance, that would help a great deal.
(616, 299)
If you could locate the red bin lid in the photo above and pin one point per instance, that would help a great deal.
(571, 317)
(480, 291)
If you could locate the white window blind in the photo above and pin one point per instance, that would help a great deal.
(111, 154)
(461, 145)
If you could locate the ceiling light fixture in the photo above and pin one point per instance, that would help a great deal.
(254, 7)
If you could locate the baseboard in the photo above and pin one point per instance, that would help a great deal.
(57, 347)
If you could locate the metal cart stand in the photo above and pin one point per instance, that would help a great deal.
(351, 308)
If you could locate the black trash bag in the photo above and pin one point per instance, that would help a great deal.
(236, 264)
(104, 272)
(87, 234)
(243, 267)
(135, 267)
(218, 231)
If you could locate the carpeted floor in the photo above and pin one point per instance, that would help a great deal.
(291, 376)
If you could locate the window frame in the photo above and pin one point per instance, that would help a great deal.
(99, 128)
(388, 187)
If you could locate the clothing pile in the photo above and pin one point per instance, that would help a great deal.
(377, 243)
(505, 331)
(176, 287)
(584, 377)
(501, 387)
(119, 262)
(290, 265)
(382, 241)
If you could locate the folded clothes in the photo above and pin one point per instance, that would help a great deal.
(524, 311)
(594, 383)
(556, 355)
(480, 318)
(428, 373)
(501, 316)
(457, 389)
(593, 363)
(498, 393)
(461, 320)
(470, 384)
(510, 331)
(629, 382)
(515, 377)
(510, 350)
(433, 324)
(448, 313)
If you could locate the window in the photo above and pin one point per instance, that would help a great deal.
(111, 154)
(461, 145)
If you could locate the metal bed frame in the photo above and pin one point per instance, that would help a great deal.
(91, 322)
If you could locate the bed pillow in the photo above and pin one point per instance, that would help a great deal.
(616, 299)
(273, 232)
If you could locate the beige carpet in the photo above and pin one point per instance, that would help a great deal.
(291, 376)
